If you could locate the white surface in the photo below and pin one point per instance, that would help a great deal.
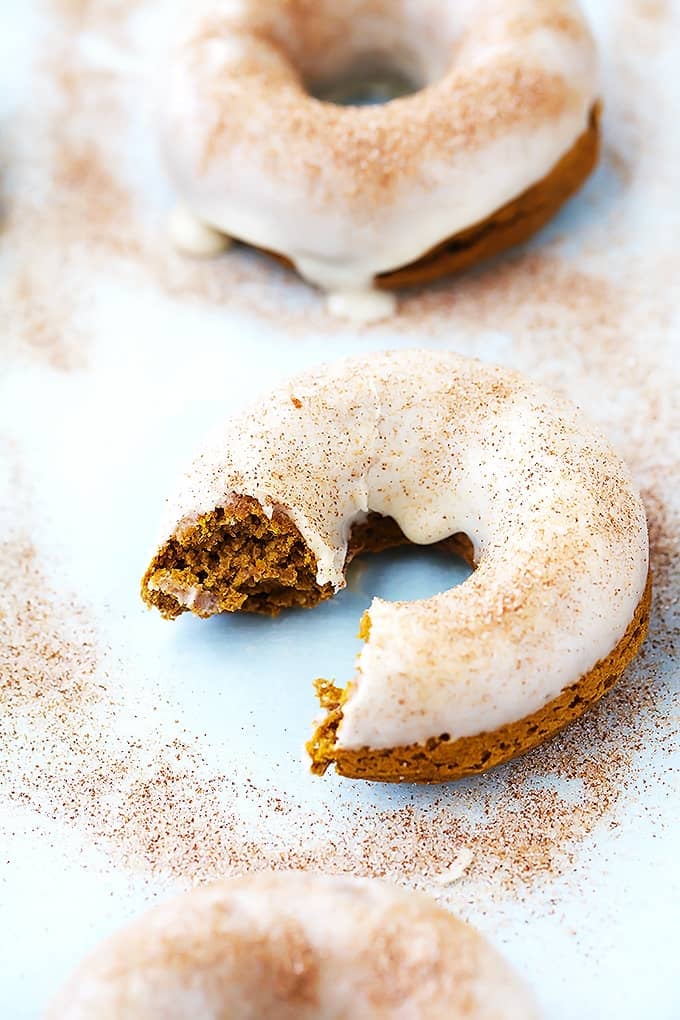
(156, 348)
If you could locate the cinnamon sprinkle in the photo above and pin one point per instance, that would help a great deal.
(598, 332)
(156, 806)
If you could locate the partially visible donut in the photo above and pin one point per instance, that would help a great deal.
(425, 447)
(294, 946)
(503, 130)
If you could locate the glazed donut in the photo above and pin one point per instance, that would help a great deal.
(501, 132)
(424, 447)
(291, 946)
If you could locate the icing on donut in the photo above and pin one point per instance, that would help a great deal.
(192, 237)
(347, 193)
(440, 445)
(294, 946)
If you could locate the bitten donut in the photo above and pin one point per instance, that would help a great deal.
(293, 946)
(423, 447)
(501, 130)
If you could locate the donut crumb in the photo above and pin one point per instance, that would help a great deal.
(234, 558)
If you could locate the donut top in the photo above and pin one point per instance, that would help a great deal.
(350, 192)
(292, 946)
(445, 444)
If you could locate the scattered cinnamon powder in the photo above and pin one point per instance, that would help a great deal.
(156, 804)
(68, 207)
(69, 187)
(104, 16)
(44, 324)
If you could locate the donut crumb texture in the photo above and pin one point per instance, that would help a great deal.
(234, 558)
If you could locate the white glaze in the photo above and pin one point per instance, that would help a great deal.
(368, 305)
(293, 946)
(192, 237)
(348, 193)
(444, 444)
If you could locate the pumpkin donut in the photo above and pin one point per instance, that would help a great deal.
(501, 130)
(295, 946)
(423, 447)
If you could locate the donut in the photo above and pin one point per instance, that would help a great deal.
(295, 946)
(501, 130)
(424, 447)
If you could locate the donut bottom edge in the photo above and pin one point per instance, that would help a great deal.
(508, 226)
(511, 224)
(440, 760)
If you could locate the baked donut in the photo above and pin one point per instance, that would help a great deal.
(424, 447)
(291, 946)
(502, 129)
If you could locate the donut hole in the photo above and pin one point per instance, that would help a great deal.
(364, 52)
(405, 572)
(371, 81)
